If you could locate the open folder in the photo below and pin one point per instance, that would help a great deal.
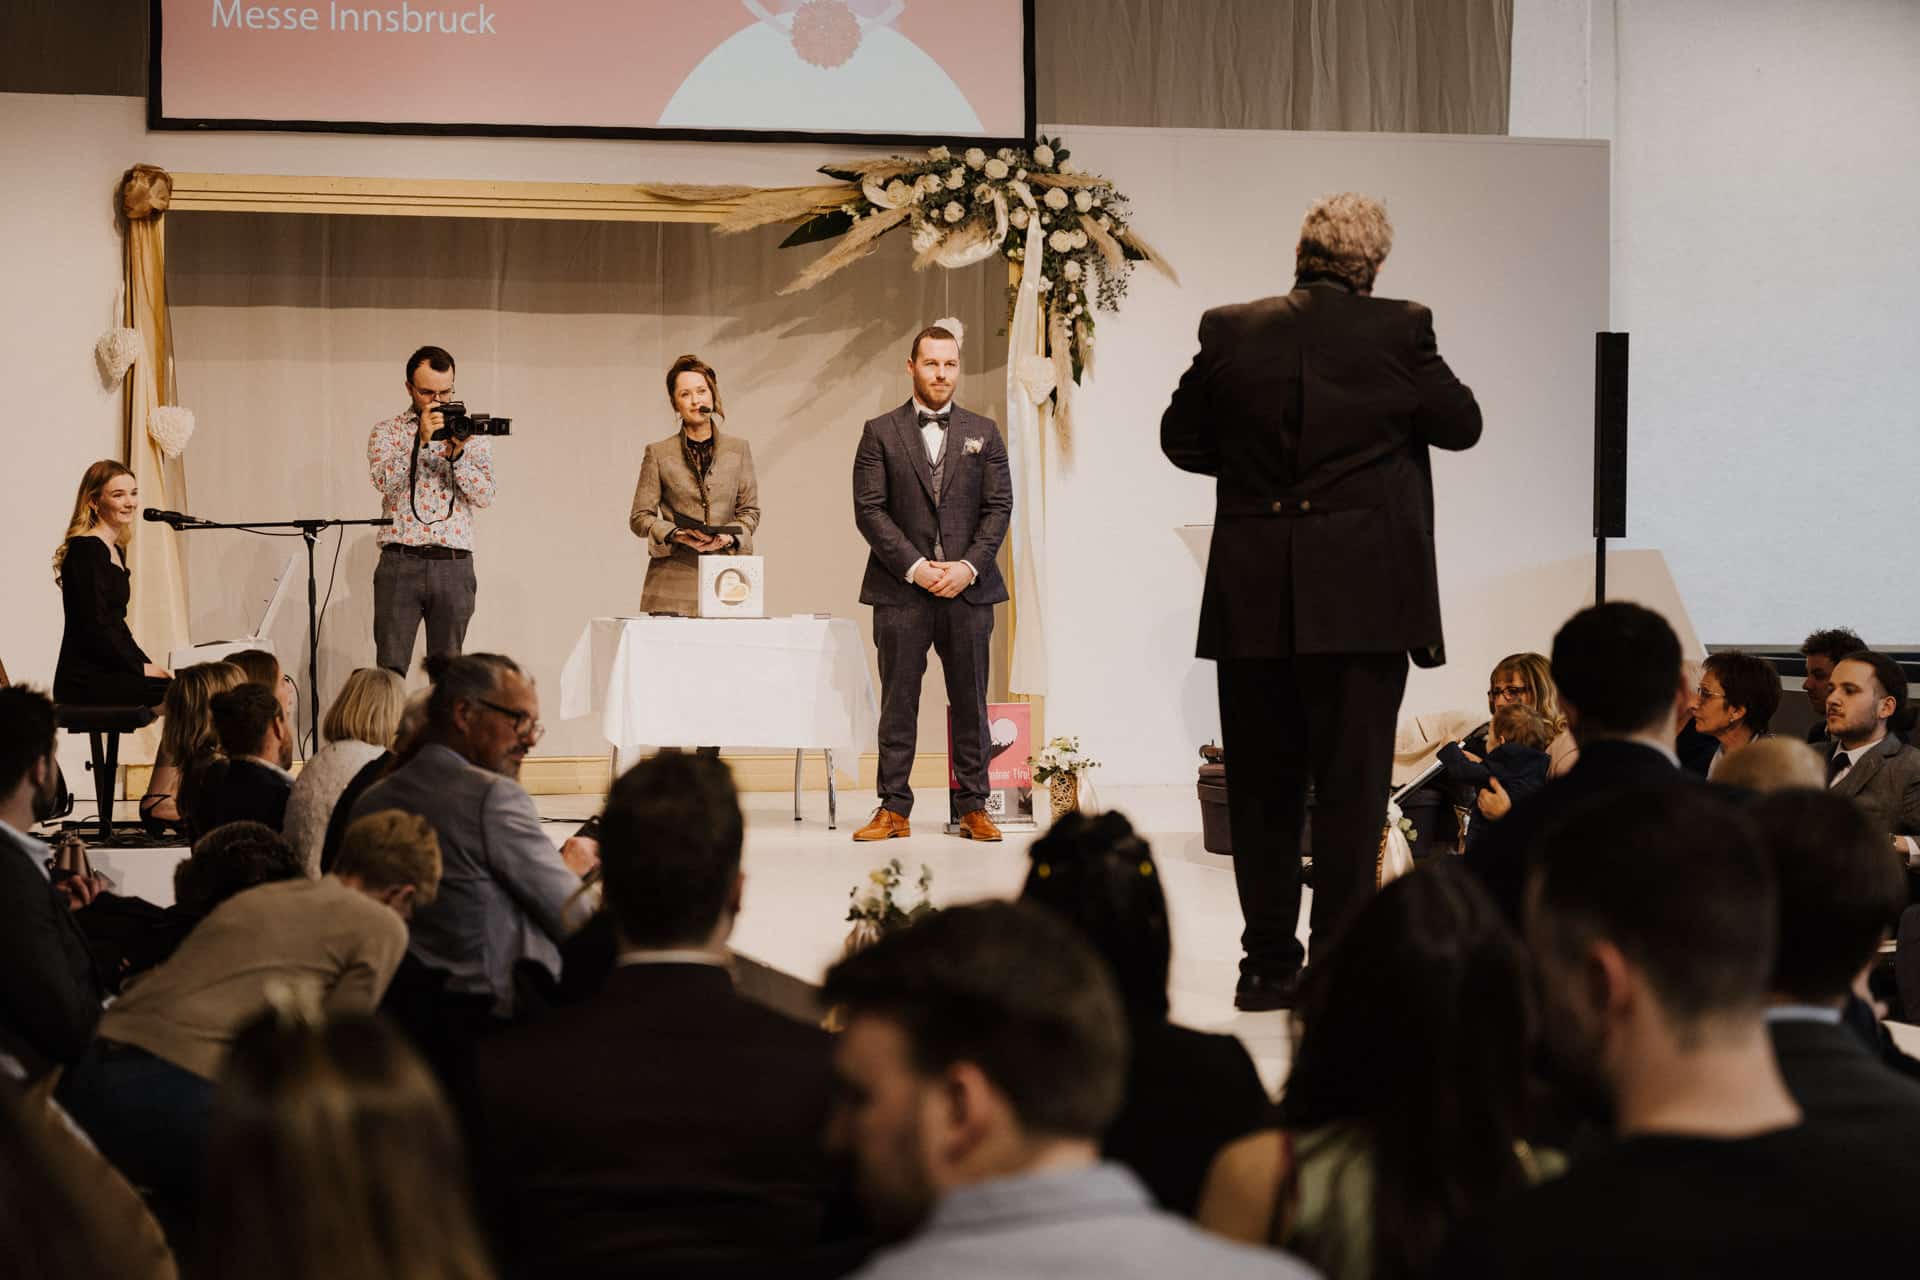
(266, 608)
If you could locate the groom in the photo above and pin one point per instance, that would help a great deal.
(932, 496)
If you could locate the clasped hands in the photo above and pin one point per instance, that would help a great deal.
(944, 578)
(703, 543)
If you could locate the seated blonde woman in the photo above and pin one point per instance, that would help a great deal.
(359, 728)
(186, 738)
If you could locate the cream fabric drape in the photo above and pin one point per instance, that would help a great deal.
(157, 609)
(1391, 66)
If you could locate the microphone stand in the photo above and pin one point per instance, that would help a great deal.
(310, 533)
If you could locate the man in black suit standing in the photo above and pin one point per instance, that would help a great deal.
(1315, 412)
(932, 496)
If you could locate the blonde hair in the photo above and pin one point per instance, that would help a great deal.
(188, 734)
(1773, 764)
(1536, 673)
(1346, 236)
(390, 849)
(367, 708)
(333, 1155)
(93, 483)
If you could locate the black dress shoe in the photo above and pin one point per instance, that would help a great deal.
(1258, 993)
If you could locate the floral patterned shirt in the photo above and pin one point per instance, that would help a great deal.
(441, 489)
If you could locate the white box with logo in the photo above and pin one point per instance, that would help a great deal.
(733, 587)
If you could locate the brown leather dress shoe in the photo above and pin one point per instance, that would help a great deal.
(978, 826)
(885, 825)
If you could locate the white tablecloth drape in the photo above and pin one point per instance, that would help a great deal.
(730, 682)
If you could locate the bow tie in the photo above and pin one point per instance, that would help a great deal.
(933, 420)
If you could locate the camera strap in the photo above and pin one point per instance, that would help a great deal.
(413, 484)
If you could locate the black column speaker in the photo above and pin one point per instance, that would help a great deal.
(1609, 435)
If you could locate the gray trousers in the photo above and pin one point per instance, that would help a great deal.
(962, 634)
(410, 589)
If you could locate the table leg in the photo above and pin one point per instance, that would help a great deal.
(796, 785)
(833, 815)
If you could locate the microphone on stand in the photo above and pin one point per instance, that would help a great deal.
(173, 519)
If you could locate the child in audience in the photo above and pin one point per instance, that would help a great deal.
(1517, 740)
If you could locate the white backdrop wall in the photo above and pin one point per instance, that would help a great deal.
(1766, 265)
(1506, 241)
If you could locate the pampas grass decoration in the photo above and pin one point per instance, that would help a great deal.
(171, 427)
(781, 204)
(1103, 241)
(853, 246)
(1152, 255)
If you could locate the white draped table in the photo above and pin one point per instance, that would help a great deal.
(737, 682)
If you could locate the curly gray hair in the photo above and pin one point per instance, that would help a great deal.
(1346, 236)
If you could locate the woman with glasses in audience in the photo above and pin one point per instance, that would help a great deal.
(695, 480)
(359, 729)
(100, 664)
(1403, 1113)
(1734, 703)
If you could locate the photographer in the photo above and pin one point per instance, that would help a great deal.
(429, 489)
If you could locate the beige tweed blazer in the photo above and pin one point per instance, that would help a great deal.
(731, 495)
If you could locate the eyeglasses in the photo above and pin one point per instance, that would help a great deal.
(1514, 691)
(438, 397)
(524, 724)
(1708, 695)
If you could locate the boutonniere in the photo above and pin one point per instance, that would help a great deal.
(975, 444)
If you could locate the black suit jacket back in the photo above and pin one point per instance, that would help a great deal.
(665, 1126)
(1315, 412)
(49, 991)
(1843, 1088)
(903, 520)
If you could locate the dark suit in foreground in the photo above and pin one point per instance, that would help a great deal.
(1315, 412)
(664, 1127)
(908, 509)
(1842, 1086)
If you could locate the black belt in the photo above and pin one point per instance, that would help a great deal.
(428, 553)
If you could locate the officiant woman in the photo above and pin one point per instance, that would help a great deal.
(703, 475)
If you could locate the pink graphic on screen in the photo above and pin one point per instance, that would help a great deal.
(944, 68)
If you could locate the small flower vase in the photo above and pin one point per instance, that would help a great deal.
(1063, 789)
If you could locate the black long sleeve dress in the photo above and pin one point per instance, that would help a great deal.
(100, 665)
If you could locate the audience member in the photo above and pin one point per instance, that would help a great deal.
(1621, 688)
(1515, 744)
(261, 666)
(1775, 763)
(984, 1055)
(187, 741)
(249, 781)
(1188, 1093)
(408, 734)
(145, 1088)
(1526, 679)
(1840, 892)
(359, 729)
(1867, 760)
(333, 1156)
(65, 1213)
(1735, 701)
(1402, 1115)
(229, 860)
(687, 1139)
(49, 992)
(1822, 650)
(507, 893)
(1652, 919)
